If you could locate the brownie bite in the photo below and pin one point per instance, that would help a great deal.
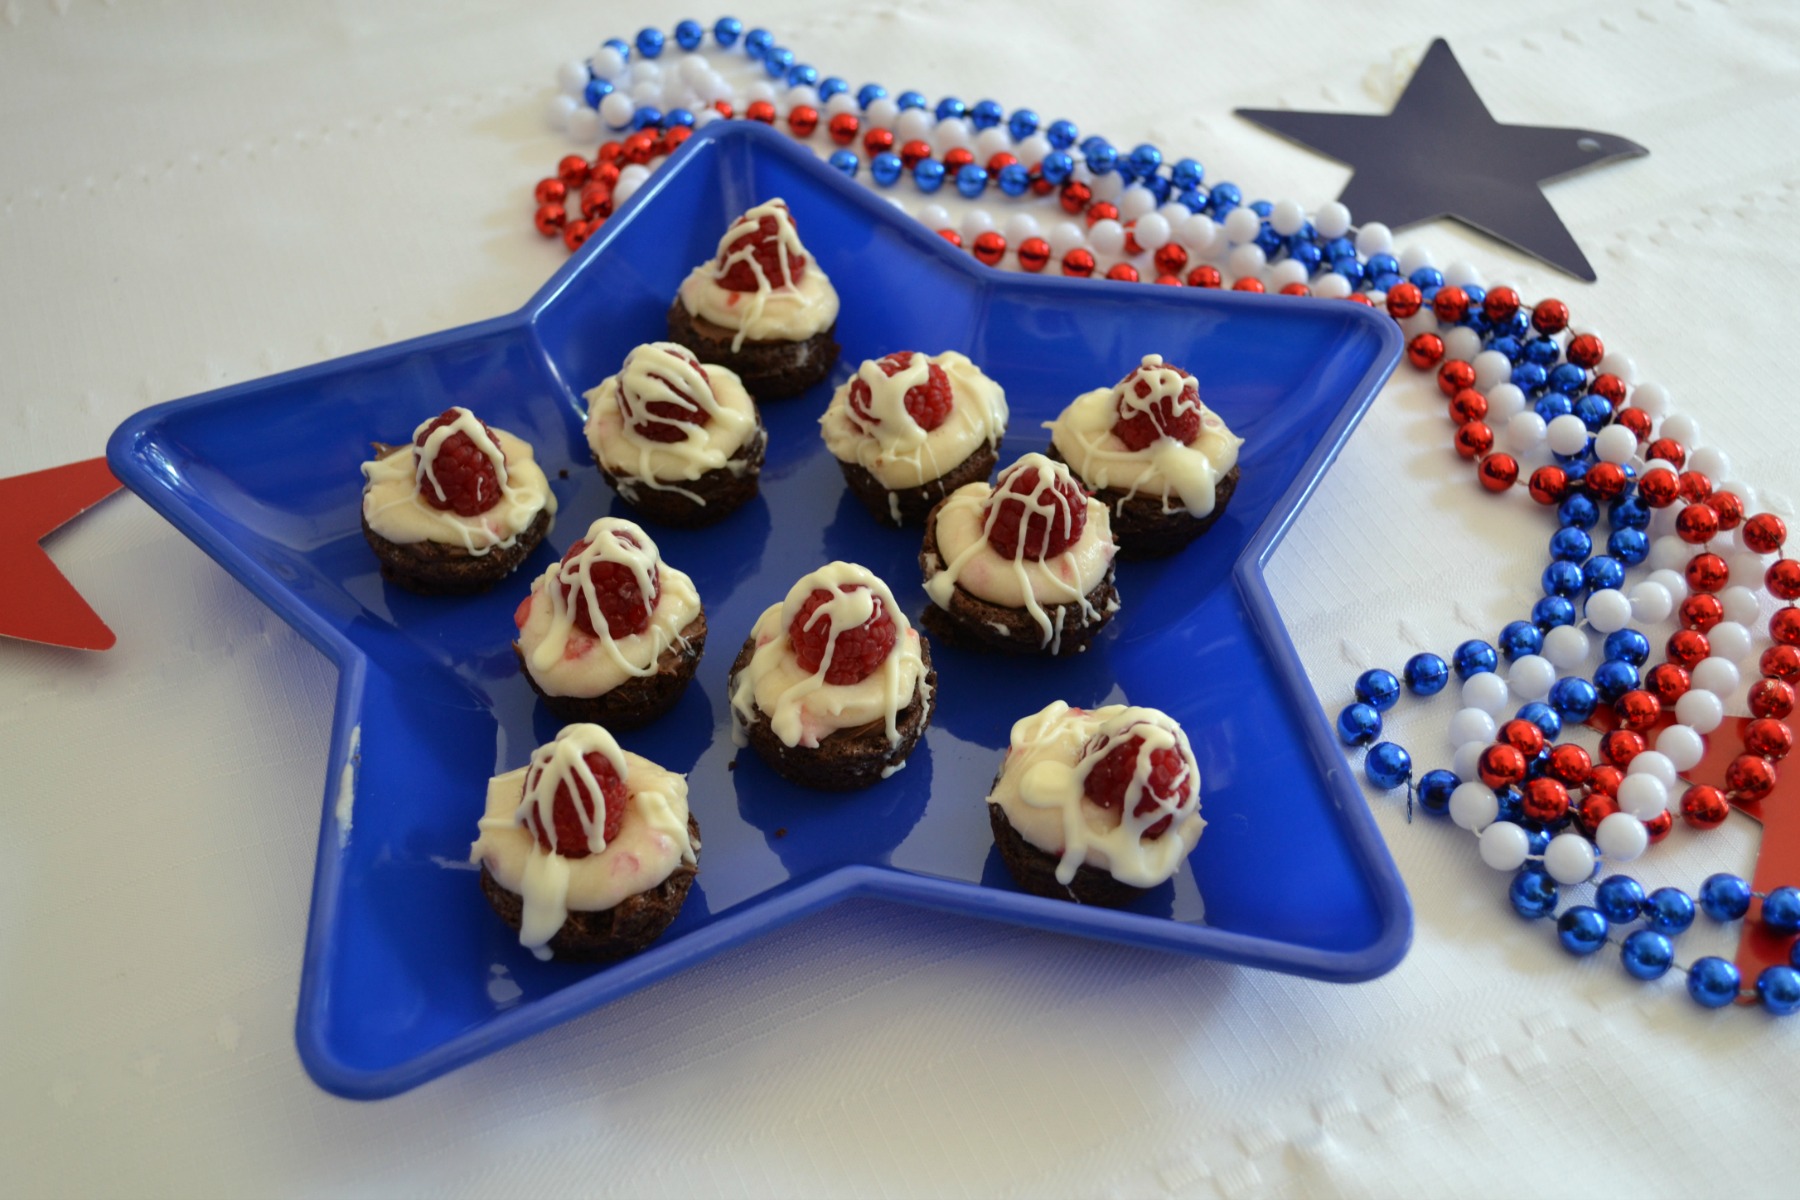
(678, 438)
(761, 306)
(1163, 463)
(1022, 567)
(907, 430)
(1096, 806)
(610, 635)
(833, 688)
(587, 851)
(457, 509)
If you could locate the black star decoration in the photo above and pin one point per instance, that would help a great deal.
(1441, 153)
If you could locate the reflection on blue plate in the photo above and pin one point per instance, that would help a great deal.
(403, 951)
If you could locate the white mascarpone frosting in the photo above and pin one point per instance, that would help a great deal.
(395, 509)
(781, 309)
(1041, 786)
(803, 709)
(652, 839)
(563, 658)
(667, 373)
(896, 450)
(1182, 476)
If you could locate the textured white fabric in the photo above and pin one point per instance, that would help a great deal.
(194, 194)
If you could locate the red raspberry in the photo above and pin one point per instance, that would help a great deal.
(466, 482)
(928, 404)
(1058, 511)
(1164, 417)
(671, 414)
(1109, 779)
(571, 840)
(857, 653)
(765, 243)
(622, 601)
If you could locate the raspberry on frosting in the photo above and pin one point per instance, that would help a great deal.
(567, 779)
(1123, 773)
(850, 633)
(750, 254)
(462, 471)
(1037, 510)
(624, 579)
(927, 403)
(664, 393)
(1156, 400)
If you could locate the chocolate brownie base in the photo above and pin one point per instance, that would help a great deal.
(720, 491)
(437, 569)
(770, 370)
(615, 933)
(972, 623)
(850, 758)
(641, 699)
(1034, 870)
(910, 506)
(1144, 530)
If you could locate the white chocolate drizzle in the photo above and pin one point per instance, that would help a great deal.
(664, 371)
(396, 509)
(784, 309)
(895, 449)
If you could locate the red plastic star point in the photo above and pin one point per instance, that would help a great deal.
(38, 604)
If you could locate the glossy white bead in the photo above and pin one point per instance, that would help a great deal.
(1242, 225)
(1487, 692)
(1650, 603)
(706, 116)
(616, 110)
(1423, 321)
(646, 70)
(882, 113)
(1413, 256)
(1108, 187)
(1246, 261)
(1065, 237)
(934, 217)
(1374, 238)
(1683, 427)
(762, 89)
(1669, 553)
(1465, 763)
(607, 62)
(1504, 846)
(1151, 231)
(647, 92)
(1019, 226)
(1473, 806)
(584, 124)
(1505, 401)
(1471, 725)
(1491, 367)
(1653, 398)
(1332, 220)
(1621, 837)
(1710, 461)
(1135, 203)
(1567, 434)
(1715, 674)
(951, 134)
(1566, 646)
(1524, 432)
(1608, 610)
(990, 142)
(1653, 762)
(1643, 796)
(1034, 148)
(1569, 858)
(1461, 344)
(572, 78)
(1742, 605)
(1107, 237)
(1620, 364)
(1531, 677)
(559, 110)
(696, 70)
(1199, 232)
(1287, 217)
(1741, 490)
(1285, 272)
(1700, 710)
(1682, 746)
(844, 102)
(1615, 444)
(625, 188)
(975, 222)
(1671, 581)
(914, 125)
(1331, 286)
(1729, 641)
(1462, 274)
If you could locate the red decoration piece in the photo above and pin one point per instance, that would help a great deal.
(1781, 662)
(1102, 211)
(1636, 420)
(1707, 573)
(761, 110)
(1454, 376)
(1687, 647)
(572, 170)
(1771, 698)
(1034, 514)
(1550, 316)
(1451, 304)
(1075, 196)
(1078, 262)
(550, 191)
(1500, 304)
(1695, 487)
(1605, 481)
(38, 604)
(1523, 736)
(1403, 300)
(1729, 507)
(1696, 524)
(1549, 484)
(1123, 272)
(1171, 258)
(856, 653)
(1424, 350)
(1501, 765)
(1668, 682)
(1658, 486)
(951, 236)
(802, 120)
(1034, 254)
(1669, 450)
(1768, 738)
(1249, 284)
(842, 128)
(955, 160)
(1620, 746)
(1586, 351)
(1784, 626)
(1611, 389)
(1295, 289)
(1764, 533)
(1783, 578)
(990, 247)
(1474, 439)
(1498, 472)
(1468, 405)
(1704, 807)
(1205, 276)
(549, 219)
(1570, 764)
(913, 153)
(878, 141)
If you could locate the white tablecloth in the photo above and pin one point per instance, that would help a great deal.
(194, 194)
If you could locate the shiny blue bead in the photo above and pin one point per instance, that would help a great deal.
(986, 114)
(1794, 955)
(1533, 893)
(1571, 544)
(1629, 645)
(1620, 898)
(1427, 277)
(1603, 571)
(1101, 159)
(727, 30)
(1473, 657)
(1057, 167)
(1529, 378)
(1544, 351)
(1022, 124)
(1537, 841)
(1781, 910)
(1516, 326)
(1186, 173)
(1544, 717)
(1713, 982)
(1561, 578)
(1569, 379)
(1383, 264)
(1725, 897)
(885, 169)
(1511, 347)
(1062, 134)
(845, 161)
(646, 118)
(1593, 410)
(971, 181)
(1579, 511)
(1668, 910)
(1553, 611)
(678, 116)
(1262, 208)
(910, 99)
(1647, 954)
(1613, 678)
(1550, 407)
(1512, 804)
(1145, 159)
(1359, 724)
(949, 107)
(1629, 546)
(1223, 197)
(1573, 698)
(1340, 247)
(1577, 470)
(831, 86)
(757, 43)
(1161, 188)
(1433, 791)
(1014, 179)
(1268, 240)
(1350, 269)
(596, 91)
(1092, 140)
(1426, 674)
(1378, 687)
(1476, 295)
(689, 35)
(928, 174)
(1629, 512)
(1581, 930)
(1779, 990)
(802, 75)
(1193, 199)
(621, 45)
(1387, 765)
(869, 93)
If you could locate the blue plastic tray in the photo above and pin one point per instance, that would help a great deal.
(403, 953)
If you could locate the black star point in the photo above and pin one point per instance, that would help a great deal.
(1440, 153)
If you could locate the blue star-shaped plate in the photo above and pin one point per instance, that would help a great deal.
(409, 974)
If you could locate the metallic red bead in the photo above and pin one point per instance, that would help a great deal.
(1123, 272)
(1039, 185)
(951, 236)
(802, 120)
(1707, 573)
(955, 160)
(1205, 276)
(1295, 289)
(1700, 611)
(1611, 389)
(1750, 777)
(1498, 472)
(762, 110)
(1454, 376)
(596, 200)
(1102, 211)
(1171, 258)
(1593, 810)
(1078, 262)
(1359, 298)
(1780, 662)
(1131, 242)
(880, 141)
(1585, 351)
(1605, 481)
(724, 109)
(1474, 439)
(1704, 807)
(610, 152)
(1169, 280)
(1764, 533)
(605, 171)
(1784, 626)
(1604, 780)
(572, 170)
(1248, 283)
(1550, 316)
(1687, 647)
(1570, 764)
(1468, 405)
(1769, 738)
(1075, 196)
(1771, 698)
(1034, 254)
(990, 247)
(549, 219)
(1545, 800)
(1695, 487)
(1425, 350)
(1638, 709)
(1659, 487)
(1403, 300)
(640, 147)
(1634, 419)
(843, 127)
(1667, 449)
(550, 191)
(1500, 304)
(1451, 304)
(675, 137)
(1668, 682)
(1522, 736)
(1658, 827)
(1549, 484)
(575, 233)
(1621, 746)
(1696, 524)
(914, 152)
(1001, 161)
(1501, 765)
(1728, 507)
(1783, 578)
